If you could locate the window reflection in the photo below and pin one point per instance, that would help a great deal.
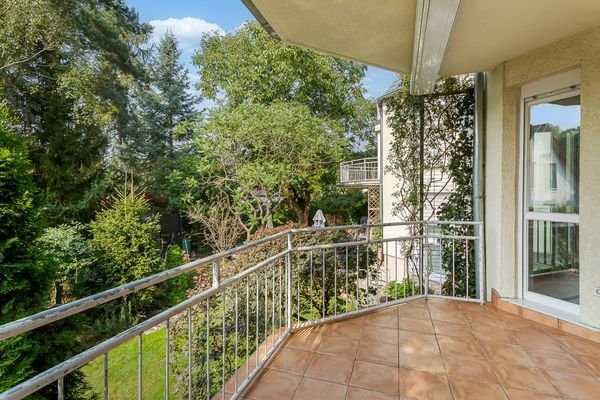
(554, 156)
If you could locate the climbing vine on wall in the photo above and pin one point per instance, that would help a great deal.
(431, 159)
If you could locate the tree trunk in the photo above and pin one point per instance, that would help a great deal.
(301, 212)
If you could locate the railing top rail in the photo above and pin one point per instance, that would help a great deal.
(49, 316)
(359, 161)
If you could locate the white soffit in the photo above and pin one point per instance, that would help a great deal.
(489, 32)
(380, 32)
(375, 32)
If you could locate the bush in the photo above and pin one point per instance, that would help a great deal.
(66, 250)
(174, 291)
(399, 290)
(124, 238)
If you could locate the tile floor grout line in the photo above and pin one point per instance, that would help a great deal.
(485, 356)
(440, 350)
(362, 328)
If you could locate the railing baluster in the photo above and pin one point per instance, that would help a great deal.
(453, 268)
(256, 346)
(61, 389)
(346, 281)
(105, 383)
(467, 265)
(273, 305)
(323, 306)
(288, 284)
(167, 360)
(335, 291)
(208, 349)
(140, 351)
(247, 326)
(367, 264)
(236, 338)
(224, 347)
(396, 272)
(266, 312)
(311, 285)
(189, 355)
(298, 273)
(357, 276)
(384, 264)
(280, 294)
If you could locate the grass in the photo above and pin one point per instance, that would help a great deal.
(123, 369)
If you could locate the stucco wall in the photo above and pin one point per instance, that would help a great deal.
(502, 155)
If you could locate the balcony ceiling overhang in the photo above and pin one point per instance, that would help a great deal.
(481, 33)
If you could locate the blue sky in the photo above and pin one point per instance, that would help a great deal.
(189, 19)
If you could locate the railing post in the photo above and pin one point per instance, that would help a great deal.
(481, 289)
(216, 273)
(288, 283)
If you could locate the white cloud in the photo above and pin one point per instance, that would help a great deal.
(187, 30)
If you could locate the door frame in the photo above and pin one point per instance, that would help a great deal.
(558, 86)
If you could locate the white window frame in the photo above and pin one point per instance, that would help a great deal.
(556, 87)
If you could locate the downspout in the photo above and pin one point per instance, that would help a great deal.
(380, 159)
(479, 182)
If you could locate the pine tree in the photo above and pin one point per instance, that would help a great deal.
(161, 106)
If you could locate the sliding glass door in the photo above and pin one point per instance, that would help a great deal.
(551, 199)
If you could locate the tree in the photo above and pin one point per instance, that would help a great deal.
(263, 155)
(249, 66)
(221, 225)
(69, 90)
(162, 105)
(124, 237)
(23, 285)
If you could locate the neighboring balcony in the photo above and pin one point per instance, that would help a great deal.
(362, 172)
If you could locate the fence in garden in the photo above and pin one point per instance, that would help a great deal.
(258, 294)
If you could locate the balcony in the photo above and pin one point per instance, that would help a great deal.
(329, 313)
(360, 173)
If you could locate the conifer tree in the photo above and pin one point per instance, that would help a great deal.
(162, 106)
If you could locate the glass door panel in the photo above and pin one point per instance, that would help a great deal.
(552, 197)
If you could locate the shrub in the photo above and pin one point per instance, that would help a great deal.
(124, 237)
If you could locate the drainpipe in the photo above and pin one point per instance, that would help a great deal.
(380, 159)
(479, 181)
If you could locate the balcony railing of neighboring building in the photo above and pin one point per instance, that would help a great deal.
(261, 293)
(360, 172)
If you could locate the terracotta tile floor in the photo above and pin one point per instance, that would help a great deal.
(432, 349)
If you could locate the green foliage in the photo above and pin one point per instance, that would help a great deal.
(65, 71)
(348, 205)
(322, 286)
(265, 154)
(161, 107)
(66, 250)
(399, 290)
(174, 291)
(249, 66)
(25, 283)
(446, 118)
(124, 237)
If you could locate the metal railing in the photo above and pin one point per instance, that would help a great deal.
(219, 339)
(363, 171)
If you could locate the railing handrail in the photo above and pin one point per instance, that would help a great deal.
(58, 372)
(359, 161)
(49, 316)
